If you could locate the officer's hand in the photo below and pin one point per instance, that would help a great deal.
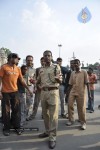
(58, 78)
(32, 81)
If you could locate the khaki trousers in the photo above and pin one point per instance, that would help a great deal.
(49, 101)
(81, 107)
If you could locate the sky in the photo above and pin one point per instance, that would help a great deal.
(29, 27)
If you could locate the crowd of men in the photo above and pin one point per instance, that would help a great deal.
(22, 89)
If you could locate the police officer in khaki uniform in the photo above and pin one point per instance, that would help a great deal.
(49, 79)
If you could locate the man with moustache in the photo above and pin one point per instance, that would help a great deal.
(48, 81)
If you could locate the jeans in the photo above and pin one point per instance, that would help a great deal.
(29, 102)
(36, 102)
(61, 94)
(91, 101)
(11, 101)
(22, 97)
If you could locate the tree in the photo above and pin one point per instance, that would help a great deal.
(95, 65)
(7, 51)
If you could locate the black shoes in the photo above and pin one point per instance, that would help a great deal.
(52, 144)
(64, 116)
(18, 131)
(27, 119)
(42, 116)
(31, 117)
(87, 108)
(6, 132)
(91, 111)
(98, 106)
(43, 135)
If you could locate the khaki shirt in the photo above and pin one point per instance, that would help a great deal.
(47, 76)
(78, 81)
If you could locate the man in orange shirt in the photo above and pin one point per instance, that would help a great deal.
(9, 74)
(92, 80)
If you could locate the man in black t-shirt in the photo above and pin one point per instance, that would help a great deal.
(22, 96)
(62, 87)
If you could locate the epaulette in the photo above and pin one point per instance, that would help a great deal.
(55, 64)
(41, 70)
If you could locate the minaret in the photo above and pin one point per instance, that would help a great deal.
(24, 61)
(73, 55)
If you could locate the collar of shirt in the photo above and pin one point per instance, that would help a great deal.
(30, 67)
(78, 71)
(91, 74)
(48, 66)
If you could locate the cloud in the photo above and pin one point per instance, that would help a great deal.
(44, 25)
(41, 13)
(41, 19)
(43, 10)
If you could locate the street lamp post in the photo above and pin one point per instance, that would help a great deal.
(82, 63)
(99, 70)
(59, 45)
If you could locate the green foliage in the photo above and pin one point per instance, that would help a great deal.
(95, 65)
(7, 51)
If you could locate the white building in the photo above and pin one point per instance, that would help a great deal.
(3, 57)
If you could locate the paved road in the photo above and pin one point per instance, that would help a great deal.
(69, 138)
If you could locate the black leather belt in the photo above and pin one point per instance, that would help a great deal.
(49, 88)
